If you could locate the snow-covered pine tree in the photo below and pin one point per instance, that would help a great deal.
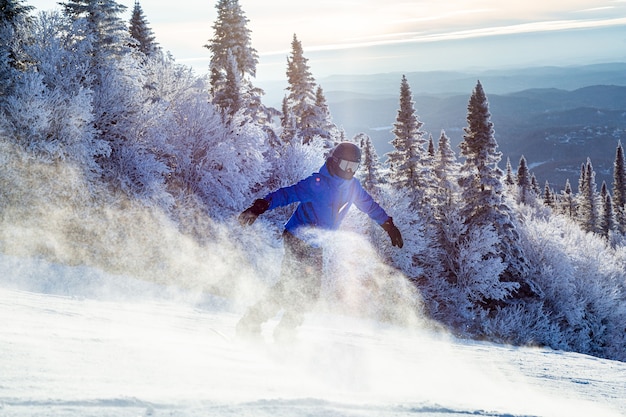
(408, 173)
(11, 10)
(534, 185)
(301, 98)
(446, 170)
(568, 201)
(548, 196)
(287, 122)
(412, 181)
(231, 33)
(324, 121)
(607, 217)
(508, 179)
(142, 33)
(14, 17)
(524, 185)
(370, 172)
(109, 32)
(482, 196)
(587, 198)
(431, 147)
(229, 97)
(619, 188)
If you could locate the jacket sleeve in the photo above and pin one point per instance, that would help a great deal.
(302, 191)
(364, 202)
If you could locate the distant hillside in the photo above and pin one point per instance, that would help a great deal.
(555, 129)
(452, 83)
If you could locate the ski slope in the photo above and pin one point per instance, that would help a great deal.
(75, 341)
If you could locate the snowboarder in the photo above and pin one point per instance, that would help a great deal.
(324, 199)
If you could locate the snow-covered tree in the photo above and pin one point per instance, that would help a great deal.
(11, 10)
(523, 182)
(232, 40)
(287, 122)
(509, 180)
(408, 173)
(301, 97)
(14, 22)
(446, 170)
(229, 97)
(231, 33)
(619, 188)
(482, 193)
(607, 216)
(50, 109)
(118, 99)
(109, 33)
(370, 172)
(534, 185)
(324, 121)
(431, 147)
(568, 201)
(548, 196)
(218, 162)
(141, 32)
(588, 198)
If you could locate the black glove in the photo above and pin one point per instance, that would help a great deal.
(393, 232)
(255, 210)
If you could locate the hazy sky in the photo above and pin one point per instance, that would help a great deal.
(370, 36)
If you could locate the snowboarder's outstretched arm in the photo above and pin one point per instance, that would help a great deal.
(366, 204)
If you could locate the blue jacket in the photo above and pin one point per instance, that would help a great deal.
(324, 201)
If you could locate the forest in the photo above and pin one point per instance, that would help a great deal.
(115, 156)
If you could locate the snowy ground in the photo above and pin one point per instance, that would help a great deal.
(77, 342)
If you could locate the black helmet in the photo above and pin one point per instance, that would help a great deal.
(344, 160)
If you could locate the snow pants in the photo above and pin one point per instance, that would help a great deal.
(297, 290)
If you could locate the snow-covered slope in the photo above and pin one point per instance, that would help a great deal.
(75, 341)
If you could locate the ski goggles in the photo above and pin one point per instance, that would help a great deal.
(348, 165)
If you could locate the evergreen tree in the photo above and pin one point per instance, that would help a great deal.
(607, 219)
(508, 180)
(14, 17)
(142, 33)
(228, 97)
(483, 203)
(619, 188)
(103, 24)
(301, 98)
(534, 185)
(287, 122)
(446, 170)
(523, 181)
(431, 147)
(233, 38)
(569, 206)
(324, 121)
(406, 161)
(548, 196)
(231, 34)
(370, 171)
(587, 198)
(12, 10)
